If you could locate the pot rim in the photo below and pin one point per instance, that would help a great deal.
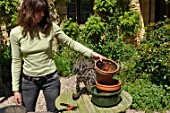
(105, 94)
(114, 62)
(119, 83)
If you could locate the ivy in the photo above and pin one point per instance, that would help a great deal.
(71, 28)
(9, 10)
(5, 57)
(105, 6)
(94, 29)
(130, 22)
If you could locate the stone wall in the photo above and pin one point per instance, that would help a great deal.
(137, 6)
(4, 41)
(60, 8)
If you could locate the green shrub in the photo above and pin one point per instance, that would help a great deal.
(123, 24)
(106, 7)
(71, 28)
(5, 57)
(153, 59)
(9, 10)
(146, 75)
(155, 53)
(130, 23)
(94, 29)
(118, 50)
(64, 60)
(5, 62)
(147, 96)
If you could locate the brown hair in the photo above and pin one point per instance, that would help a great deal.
(27, 13)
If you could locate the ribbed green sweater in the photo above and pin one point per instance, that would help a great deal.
(37, 53)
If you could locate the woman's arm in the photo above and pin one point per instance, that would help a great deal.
(74, 44)
(16, 59)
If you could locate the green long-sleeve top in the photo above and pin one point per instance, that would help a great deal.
(37, 53)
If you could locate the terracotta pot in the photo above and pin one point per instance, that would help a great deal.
(116, 85)
(105, 70)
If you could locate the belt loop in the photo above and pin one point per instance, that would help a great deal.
(46, 77)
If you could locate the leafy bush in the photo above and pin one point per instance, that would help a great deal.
(71, 28)
(147, 96)
(5, 56)
(112, 28)
(5, 62)
(146, 75)
(118, 50)
(106, 7)
(130, 23)
(152, 61)
(125, 25)
(157, 53)
(94, 29)
(64, 60)
(9, 12)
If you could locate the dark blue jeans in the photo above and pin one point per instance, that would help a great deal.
(50, 88)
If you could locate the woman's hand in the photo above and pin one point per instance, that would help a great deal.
(17, 98)
(97, 56)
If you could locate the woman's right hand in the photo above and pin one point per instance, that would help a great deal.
(17, 98)
(97, 56)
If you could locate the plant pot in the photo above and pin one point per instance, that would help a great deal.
(105, 100)
(105, 70)
(116, 85)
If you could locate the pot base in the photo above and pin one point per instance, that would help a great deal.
(105, 100)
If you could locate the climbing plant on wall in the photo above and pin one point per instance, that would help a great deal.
(8, 9)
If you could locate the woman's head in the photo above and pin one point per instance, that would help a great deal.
(34, 13)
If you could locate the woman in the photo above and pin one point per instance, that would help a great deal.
(31, 42)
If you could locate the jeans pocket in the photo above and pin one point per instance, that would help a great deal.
(27, 85)
(54, 77)
(25, 81)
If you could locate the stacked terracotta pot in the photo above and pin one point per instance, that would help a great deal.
(107, 90)
(105, 70)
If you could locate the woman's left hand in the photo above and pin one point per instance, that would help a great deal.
(97, 56)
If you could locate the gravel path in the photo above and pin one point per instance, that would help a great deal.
(66, 84)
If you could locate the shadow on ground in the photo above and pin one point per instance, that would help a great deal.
(5, 88)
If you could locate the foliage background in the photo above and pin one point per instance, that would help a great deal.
(144, 69)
